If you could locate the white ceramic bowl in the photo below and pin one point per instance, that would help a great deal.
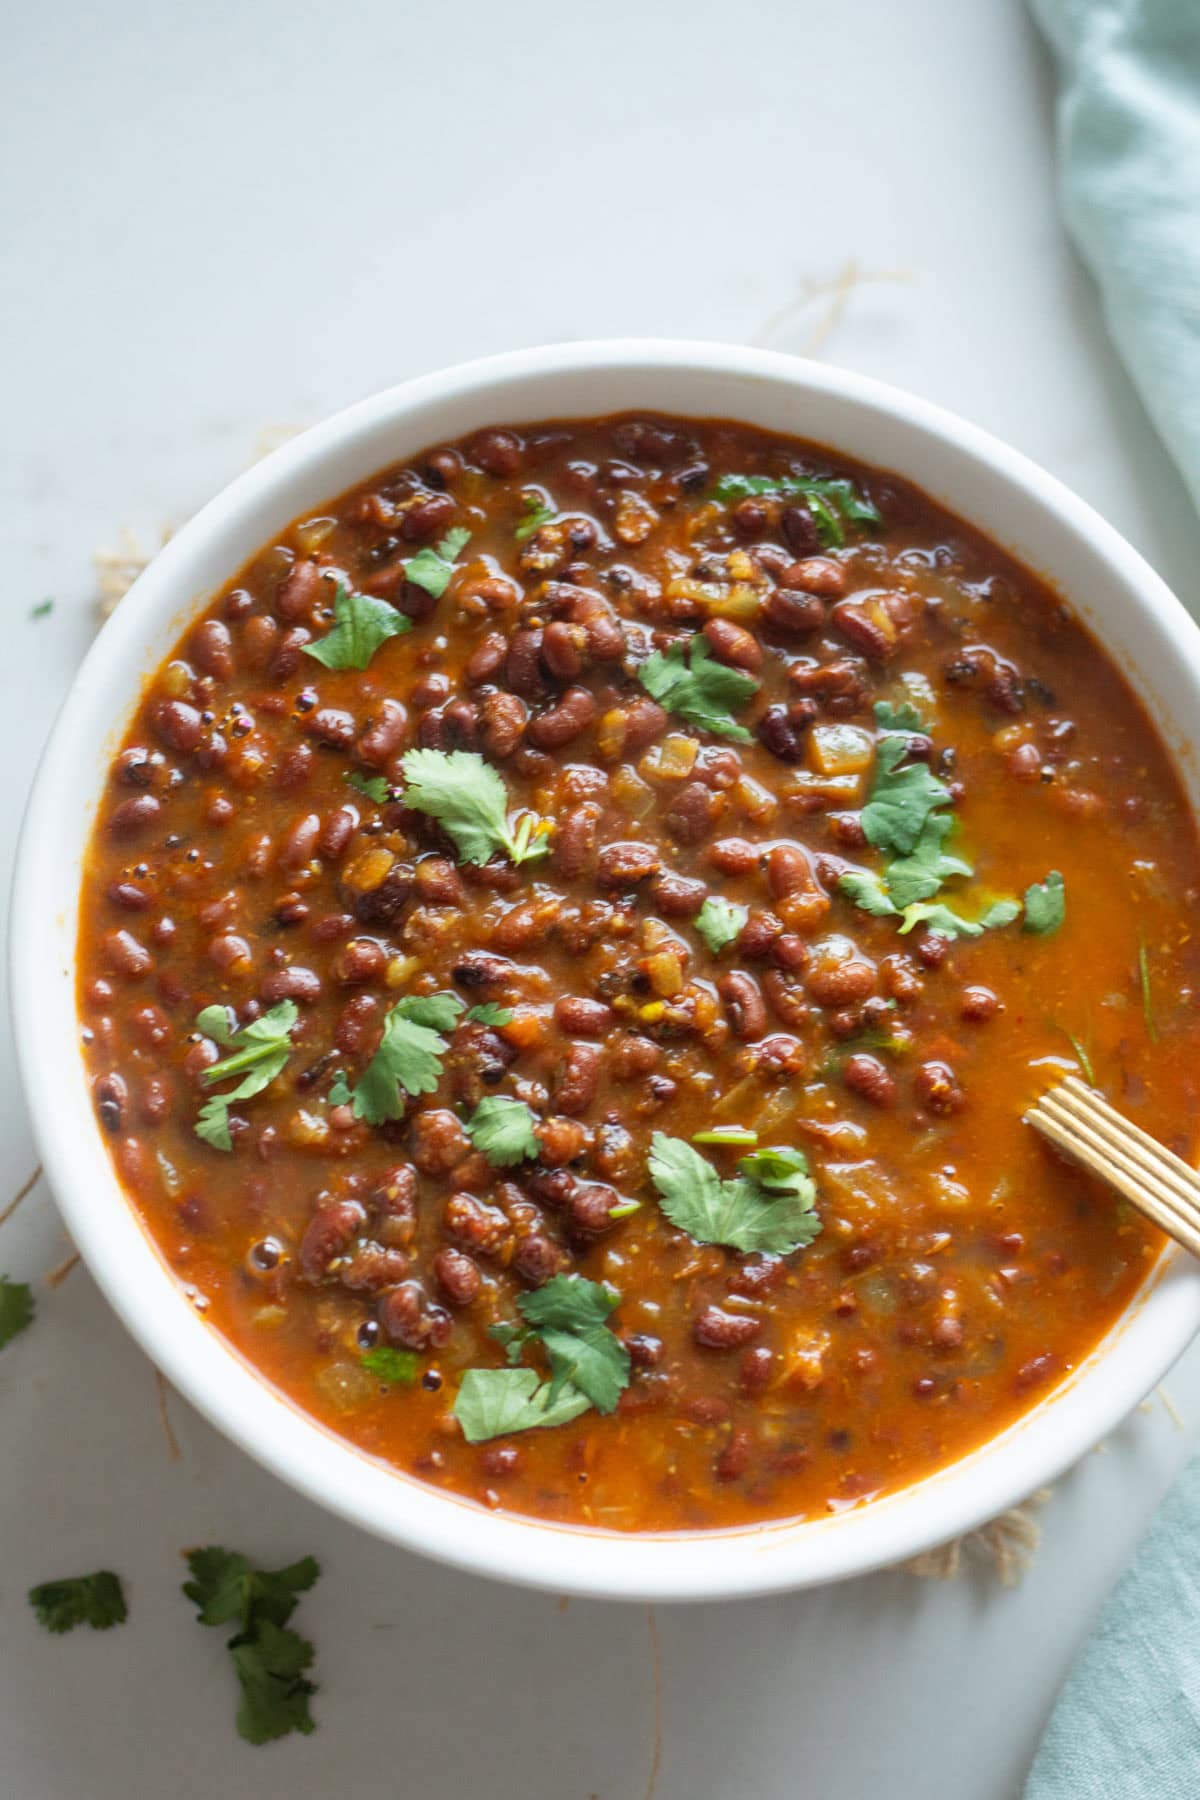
(1143, 627)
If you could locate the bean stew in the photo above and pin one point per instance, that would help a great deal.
(566, 945)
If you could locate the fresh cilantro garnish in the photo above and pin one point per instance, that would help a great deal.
(41, 609)
(373, 786)
(779, 1171)
(1080, 1049)
(920, 875)
(1147, 995)
(719, 922)
(569, 1317)
(339, 1091)
(952, 924)
(495, 1402)
(739, 1136)
(16, 1308)
(904, 717)
(360, 625)
(689, 680)
(467, 797)
(746, 1213)
(409, 1057)
(503, 1130)
(432, 569)
(1045, 905)
(835, 501)
(260, 1051)
(902, 799)
(96, 1600)
(537, 514)
(589, 1365)
(268, 1659)
(867, 891)
(398, 1368)
(491, 1014)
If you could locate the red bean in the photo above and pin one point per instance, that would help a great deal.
(867, 1076)
(815, 575)
(581, 1017)
(438, 1141)
(301, 591)
(716, 1329)
(564, 721)
(299, 846)
(744, 1005)
(428, 518)
(574, 843)
(328, 1233)
(178, 725)
(125, 956)
(498, 453)
(291, 984)
(734, 856)
(537, 1257)
(358, 961)
(733, 644)
(381, 740)
(937, 1088)
(134, 815)
(457, 1276)
(212, 649)
(409, 1317)
(625, 864)
(578, 1079)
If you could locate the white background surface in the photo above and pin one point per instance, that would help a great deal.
(245, 214)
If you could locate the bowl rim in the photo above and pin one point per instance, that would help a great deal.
(214, 1377)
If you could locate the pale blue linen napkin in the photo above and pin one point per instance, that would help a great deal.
(1129, 160)
(1127, 1724)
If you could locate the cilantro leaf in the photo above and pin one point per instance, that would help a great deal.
(1045, 905)
(339, 1091)
(745, 1214)
(920, 875)
(491, 1014)
(569, 1315)
(360, 625)
(42, 609)
(409, 1057)
(398, 1368)
(432, 569)
(495, 1402)
(97, 1600)
(780, 1170)
(537, 514)
(719, 922)
(689, 680)
(466, 796)
(503, 1130)
(834, 500)
(902, 799)
(904, 717)
(275, 1691)
(260, 1051)
(16, 1308)
(951, 924)
(867, 892)
(440, 1012)
(268, 1659)
(375, 787)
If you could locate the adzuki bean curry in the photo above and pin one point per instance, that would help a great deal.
(567, 943)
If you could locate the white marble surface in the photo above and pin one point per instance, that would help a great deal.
(245, 213)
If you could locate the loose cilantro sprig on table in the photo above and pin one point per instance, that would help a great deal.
(360, 625)
(260, 1051)
(688, 680)
(16, 1308)
(268, 1658)
(834, 500)
(469, 800)
(432, 569)
(768, 1207)
(503, 1129)
(97, 1600)
(1045, 905)
(589, 1365)
(409, 1057)
(719, 922)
